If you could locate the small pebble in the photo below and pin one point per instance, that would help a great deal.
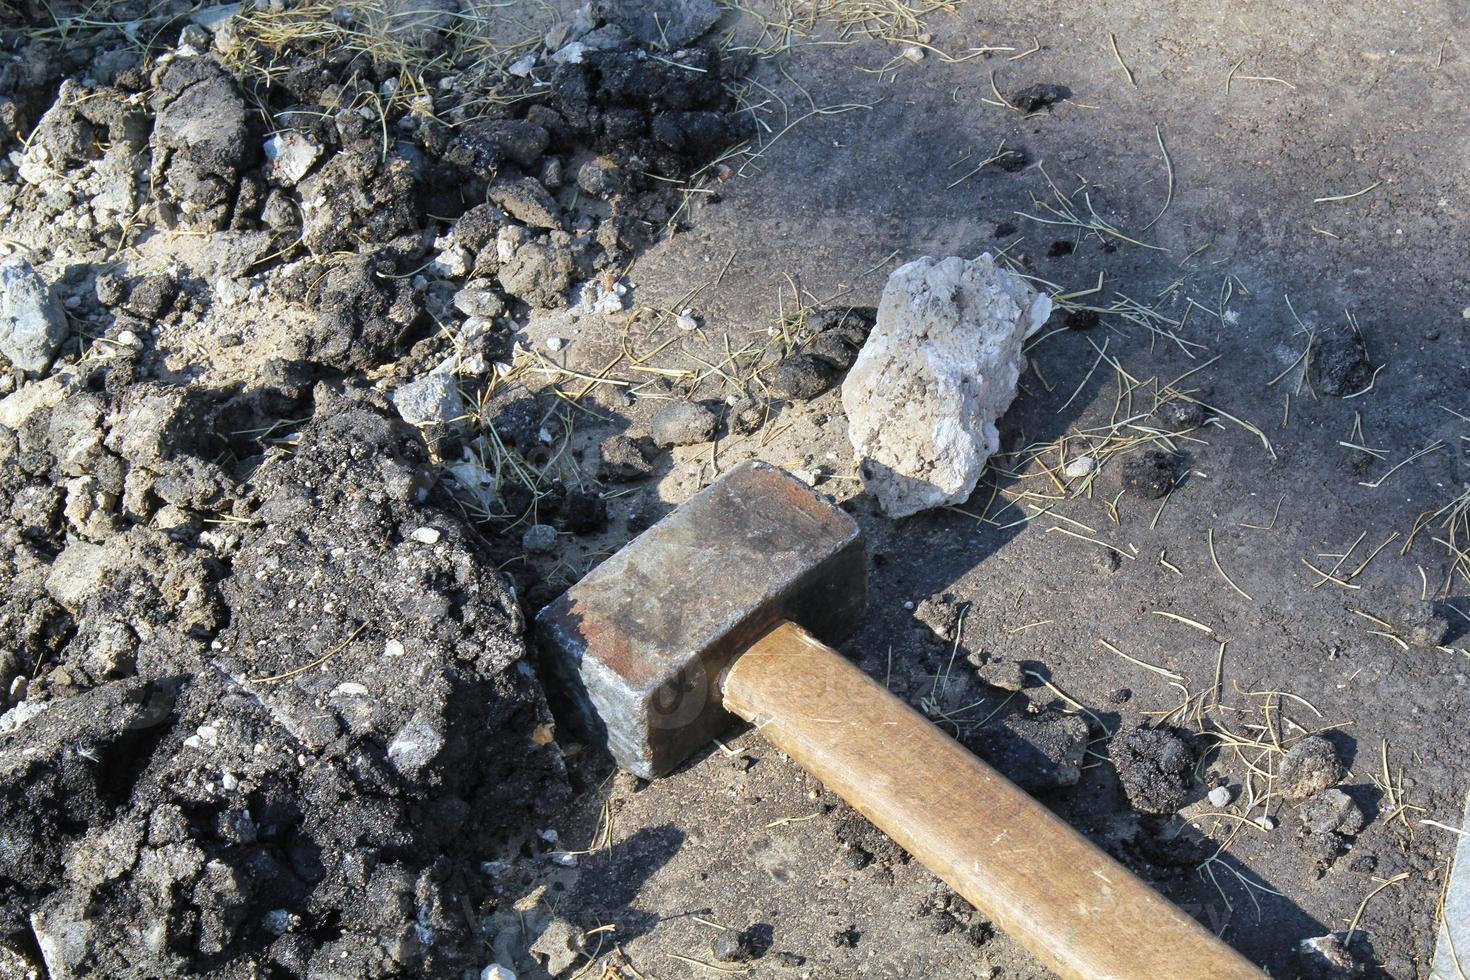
(733, 946)
(1267, 823)
(555, 343)
(426, 535)
(683, 424)
(1080, 467)
(1220, 796)
(539, 538)
(497, 972)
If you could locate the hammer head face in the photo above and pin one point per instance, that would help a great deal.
(640, 645)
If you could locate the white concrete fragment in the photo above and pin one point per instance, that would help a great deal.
(30, 398)
(431, 400)
(1219, 796)
(570, 54)
(23, 712)
(475, 480)
(290, 155)
(32, 323)
(452, 263)
(938, 370)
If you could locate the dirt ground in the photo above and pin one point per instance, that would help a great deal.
(1219, 198)
(841, 199)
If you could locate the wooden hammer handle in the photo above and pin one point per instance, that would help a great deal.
(1080, 912)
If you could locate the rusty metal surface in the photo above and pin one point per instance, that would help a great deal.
(640, 643)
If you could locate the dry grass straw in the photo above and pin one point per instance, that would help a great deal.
(485, 35)
(1248, 736)
(1453, 519)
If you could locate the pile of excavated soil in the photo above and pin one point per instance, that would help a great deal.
(264, 701)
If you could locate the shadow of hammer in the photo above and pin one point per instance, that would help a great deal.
(725, 607)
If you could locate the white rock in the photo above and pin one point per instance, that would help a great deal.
(452, 263)
(415, 745)
(555, 343)
(290, 155)
(20, 714)
(938, 370)
(217, 18)
(474, 365)
(475, 480)
(558, 948)
(1080, 467)
(429, 400)
(30, 398)
(570, 54)
(522, 66)
(277, 922)
(497, 972)
(32, 323)
(1219, 796)
(426, 535)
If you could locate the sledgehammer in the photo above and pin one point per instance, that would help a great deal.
(725, 606)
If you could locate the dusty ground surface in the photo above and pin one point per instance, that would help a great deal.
(1197, 148)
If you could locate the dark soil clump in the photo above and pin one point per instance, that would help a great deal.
(1155, 766)
(1151, 473)
(1035, 98)
(1339, 363)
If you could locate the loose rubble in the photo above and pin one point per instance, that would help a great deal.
(1308, 766)
(261, 684)
(32, 322)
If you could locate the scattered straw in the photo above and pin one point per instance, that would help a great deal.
(1146, 666)
(315, 663)
(1128, 72)
(1347, 197)
(1210, 538)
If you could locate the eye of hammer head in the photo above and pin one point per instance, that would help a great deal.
(640, 644)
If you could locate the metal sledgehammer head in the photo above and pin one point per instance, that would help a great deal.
(640, 644)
